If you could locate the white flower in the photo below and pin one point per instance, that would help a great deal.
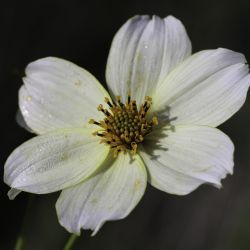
(189, 95)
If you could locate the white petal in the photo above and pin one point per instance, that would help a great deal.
(13, 193)
(110, 195)
(187, 157)
(53, 161)
(58, 94)
(143, 52)
(21, 122)
(206, 89)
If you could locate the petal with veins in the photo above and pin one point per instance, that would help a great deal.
(143, 52)
(54, 161)
(109, 195)
(206, 89)
(59, 94)
(186, 157)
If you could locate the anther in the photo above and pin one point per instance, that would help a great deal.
(143, 114)
(129, 97)
(98, 134)
(148, 98)
(106, 99)
(118, 98)
(92, 121)
(134, 105)
(106, 112)
(147, 108)
(101, 135)
(100, 108)
(134, 148)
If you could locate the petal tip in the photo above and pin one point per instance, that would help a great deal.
(13, 192)
(96, 230)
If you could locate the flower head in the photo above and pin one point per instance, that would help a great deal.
(157, 125)
(125, 126)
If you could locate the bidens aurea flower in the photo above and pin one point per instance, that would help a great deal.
(157, 125)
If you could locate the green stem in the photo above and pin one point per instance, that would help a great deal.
(19, 243)
(71, 241)
(20, 239)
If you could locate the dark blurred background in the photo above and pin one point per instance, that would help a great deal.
(81, 31)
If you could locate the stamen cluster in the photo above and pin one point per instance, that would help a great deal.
(124, 125)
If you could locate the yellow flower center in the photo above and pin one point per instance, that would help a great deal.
(124, 125)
